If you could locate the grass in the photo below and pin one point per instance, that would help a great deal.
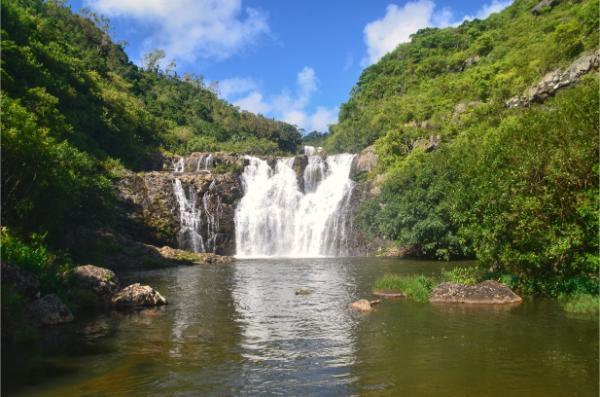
(580, 303)
(415, 287)
(462, 275)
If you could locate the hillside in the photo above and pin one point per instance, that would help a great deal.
(76, 111)
(466, 172)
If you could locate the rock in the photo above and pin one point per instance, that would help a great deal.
(48, 310)
(395, 251)
(137, 295)
(389, 294)
(361, 305)
(471, 61)
(304, 291)
(364, 162)
(22, 282)
(556, 80)
(196, 258)
(102, 283)
(537, 10)
(488, 292)
(375, 302)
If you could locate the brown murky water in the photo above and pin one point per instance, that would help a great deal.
(241, 330)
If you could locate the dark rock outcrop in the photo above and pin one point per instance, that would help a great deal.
(48, 310)
(556, 80)
(488, 292)
(137, 295)
(21, 282)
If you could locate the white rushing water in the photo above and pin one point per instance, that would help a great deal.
(198, 219)
(276, 218)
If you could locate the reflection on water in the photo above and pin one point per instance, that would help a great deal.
(241, 330)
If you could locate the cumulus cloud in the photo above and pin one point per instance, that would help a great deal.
(288, 105)
(191, 29)
(383, 35)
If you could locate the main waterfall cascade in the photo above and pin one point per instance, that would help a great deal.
(282, 215)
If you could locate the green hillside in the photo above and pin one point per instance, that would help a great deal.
(464, 175)
(74, 109)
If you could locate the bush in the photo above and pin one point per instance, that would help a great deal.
(462, 275)
(415, 287)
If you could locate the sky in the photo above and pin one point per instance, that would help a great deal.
(292, 60)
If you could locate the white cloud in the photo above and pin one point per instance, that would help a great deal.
(235, 86)
(383, 35)
(322, 119)
(191, 29)
(289, 106)
(253, 102)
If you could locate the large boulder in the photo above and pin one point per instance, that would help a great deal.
(94, 285)
(542, 5)
(137, 295)
(488, 292)
(48, 310)
(361, 305)
(364, 162)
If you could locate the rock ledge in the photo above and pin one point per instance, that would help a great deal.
(488, 292)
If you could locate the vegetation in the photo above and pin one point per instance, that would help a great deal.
(465, 176)
(73, 106)
(462, 275)
(581, 303)
(415, 287)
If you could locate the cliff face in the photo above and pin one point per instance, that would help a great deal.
(159, 207)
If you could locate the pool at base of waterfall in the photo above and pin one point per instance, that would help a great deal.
(241, 329)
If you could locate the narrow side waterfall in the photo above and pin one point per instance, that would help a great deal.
(198, 217)
(280, 217)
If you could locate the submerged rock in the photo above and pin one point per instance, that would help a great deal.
(49, 310)
(137, 295)
(488, 292)
(304, 291)
(361, 305)
(94, 285)
(389, 294)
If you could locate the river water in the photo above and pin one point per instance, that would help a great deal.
(240, 329)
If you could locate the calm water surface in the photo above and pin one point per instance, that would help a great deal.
(240, 330)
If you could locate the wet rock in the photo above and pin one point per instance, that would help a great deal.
(22, 282)
(395, 251)
(361, 305)
(389, 294)
(304, 291)
(137, 295)
(488, 292)
(94, 285)
(48, 310)
(556, 80)
(539, 7)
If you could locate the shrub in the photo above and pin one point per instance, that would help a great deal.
(462, 275)
(415, 287)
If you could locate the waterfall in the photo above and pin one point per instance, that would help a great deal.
(205, 163)
(190, 219)
(276, 218)
(198, 218)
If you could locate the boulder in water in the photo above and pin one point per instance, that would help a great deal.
(488, 292)
(304, 291)
(137, 295)
(361, 305)
(94, 285)
(49, 310)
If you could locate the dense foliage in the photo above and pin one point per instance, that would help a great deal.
(466, 176)
(74, 107)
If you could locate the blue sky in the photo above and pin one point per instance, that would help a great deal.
(292, 60)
